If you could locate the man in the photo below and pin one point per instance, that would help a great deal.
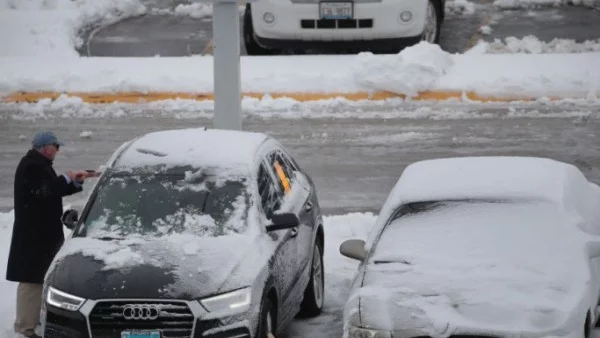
(37, 232)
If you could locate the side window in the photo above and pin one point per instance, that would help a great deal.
(269, 196)
(283, 169)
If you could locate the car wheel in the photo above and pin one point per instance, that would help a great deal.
(314, 295)
(431, 33)
(266, 324)
(252, 47)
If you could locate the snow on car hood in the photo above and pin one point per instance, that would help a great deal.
(196, 266)
(489, 267)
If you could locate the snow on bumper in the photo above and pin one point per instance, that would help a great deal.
(378, 20)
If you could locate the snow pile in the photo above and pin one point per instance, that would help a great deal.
(409, 72)
(86, 134)
(485, 30)
(196, 10)
(51, 28)
(460, 7)
(514, 4)
(532, 45)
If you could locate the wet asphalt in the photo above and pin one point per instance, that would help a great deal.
(167, 35)
(354, 161)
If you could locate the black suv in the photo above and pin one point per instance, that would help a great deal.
(190, 233)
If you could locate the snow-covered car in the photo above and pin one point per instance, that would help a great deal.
(190, 233)
(374, 25)
(480, 247)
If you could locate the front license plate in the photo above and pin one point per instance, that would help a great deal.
(140, 334)
(336, 10)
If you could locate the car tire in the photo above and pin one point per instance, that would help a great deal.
(436, 14)
(252, 47)
(312, 303)
(266, 322)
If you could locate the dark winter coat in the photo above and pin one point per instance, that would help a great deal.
(37, 232)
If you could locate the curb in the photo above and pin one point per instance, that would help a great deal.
(142, 97)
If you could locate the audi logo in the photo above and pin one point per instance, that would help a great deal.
(141, 312)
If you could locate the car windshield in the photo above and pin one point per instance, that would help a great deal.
(156, 204)
(428, 223)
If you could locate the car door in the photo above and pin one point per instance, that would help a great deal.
(284, 260)
(298, 190)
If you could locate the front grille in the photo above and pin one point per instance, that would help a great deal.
(336, 23)
(175, 320)
(55, 331)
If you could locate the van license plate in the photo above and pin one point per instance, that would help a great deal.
(336, 10)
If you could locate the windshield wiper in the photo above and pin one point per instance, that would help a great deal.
(391, 261)
(108, 238)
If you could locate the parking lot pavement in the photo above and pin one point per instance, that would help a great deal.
(171, 35)
(579, 23)
(354, 161)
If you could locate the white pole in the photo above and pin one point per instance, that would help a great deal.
(227, 79)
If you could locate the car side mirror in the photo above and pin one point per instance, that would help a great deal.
(354, 248)
(283, 221)
(70, 218)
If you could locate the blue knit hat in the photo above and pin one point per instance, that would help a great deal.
(44, 138)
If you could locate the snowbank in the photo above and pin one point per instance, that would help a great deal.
(411, 71)
(423, 67)
(44, 28)
(196, 10)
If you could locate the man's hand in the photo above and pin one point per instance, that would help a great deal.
(77, 175)
(93, 173)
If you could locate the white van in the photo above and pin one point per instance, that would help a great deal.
(376, 25)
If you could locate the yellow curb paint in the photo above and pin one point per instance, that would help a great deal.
(140, 97)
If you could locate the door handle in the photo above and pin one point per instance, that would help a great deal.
(294, 232)
(308, 206)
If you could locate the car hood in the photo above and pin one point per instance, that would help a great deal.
(490, 266)
(178, 266)
(398, 296)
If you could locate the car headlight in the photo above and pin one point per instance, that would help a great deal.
(231, 302)
(63, 300)
(359, 332)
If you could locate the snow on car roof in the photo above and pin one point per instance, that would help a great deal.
(496, 177)
(487, 177)
(197, 147)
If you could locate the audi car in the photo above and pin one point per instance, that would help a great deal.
(271, 26)
(190, 233)
(480, 247)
